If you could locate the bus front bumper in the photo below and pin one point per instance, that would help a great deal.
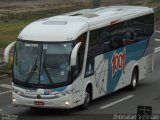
(63, 102)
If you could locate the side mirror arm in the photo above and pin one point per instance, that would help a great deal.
(7, 50)
(74, 54)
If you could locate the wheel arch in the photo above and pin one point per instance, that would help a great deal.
(136, 67)
(90, 87)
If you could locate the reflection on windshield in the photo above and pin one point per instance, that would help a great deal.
(25, 57)
(56, 63)
(41, 64)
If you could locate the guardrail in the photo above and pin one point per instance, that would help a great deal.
(156, 8)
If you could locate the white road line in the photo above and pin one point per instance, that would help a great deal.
(5, 106)
(1, 110)
(6, 86)
(116, 102)
(157, 39)
(157, 31)
(157, 49)
(6, 92)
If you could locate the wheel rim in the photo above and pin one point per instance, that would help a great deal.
(87, 99)
(134, 81)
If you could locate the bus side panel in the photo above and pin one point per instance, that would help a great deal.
(146, 66)
(77, 98)
(98, 76)
(113, 69)
(121, 62)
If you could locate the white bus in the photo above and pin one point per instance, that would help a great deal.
(68, 60)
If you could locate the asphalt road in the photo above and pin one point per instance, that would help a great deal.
(120, 102)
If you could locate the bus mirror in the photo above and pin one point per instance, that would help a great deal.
(74, 54)
(7, 50)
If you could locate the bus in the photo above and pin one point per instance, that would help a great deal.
(69, 60)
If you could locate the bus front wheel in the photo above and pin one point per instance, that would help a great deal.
(87, 99)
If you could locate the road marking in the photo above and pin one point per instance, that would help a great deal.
(157, 49)
(6, 92)
(9, 106)
(116, 102)
(5, 106)
(1, 110)
(157, 31)
(157, 39)
(6, 86)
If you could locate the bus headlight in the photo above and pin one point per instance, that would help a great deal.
(14, 100)
(67, 102)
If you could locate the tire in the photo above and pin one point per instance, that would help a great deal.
(134, 80)
(87, 99)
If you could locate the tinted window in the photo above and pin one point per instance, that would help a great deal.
(148, 25)
(116, 36)
(105, 39)
(138, 29)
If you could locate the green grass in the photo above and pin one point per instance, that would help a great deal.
(12, 24)
(153, 3)
(157, 14)
(9, 31)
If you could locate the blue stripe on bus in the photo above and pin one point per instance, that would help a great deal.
(131, 54)
(59, 89)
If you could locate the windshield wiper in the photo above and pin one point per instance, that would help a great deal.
(32, 71)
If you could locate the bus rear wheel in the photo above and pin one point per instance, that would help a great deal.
(134, 80)
(87, 99)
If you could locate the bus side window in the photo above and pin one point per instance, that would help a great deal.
(128, 37)
(116, 40)
(148, 25)
(104, 42)
(116, 36)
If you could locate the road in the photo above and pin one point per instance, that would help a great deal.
(120, 102)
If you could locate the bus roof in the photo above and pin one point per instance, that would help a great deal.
(69, 26)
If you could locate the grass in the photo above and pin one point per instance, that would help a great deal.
(153, 3)
(157, 14)
(9, 31)
(12, 24)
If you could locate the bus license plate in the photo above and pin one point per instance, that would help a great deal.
(39, 103)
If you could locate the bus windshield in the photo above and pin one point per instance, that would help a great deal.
(41, 65)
